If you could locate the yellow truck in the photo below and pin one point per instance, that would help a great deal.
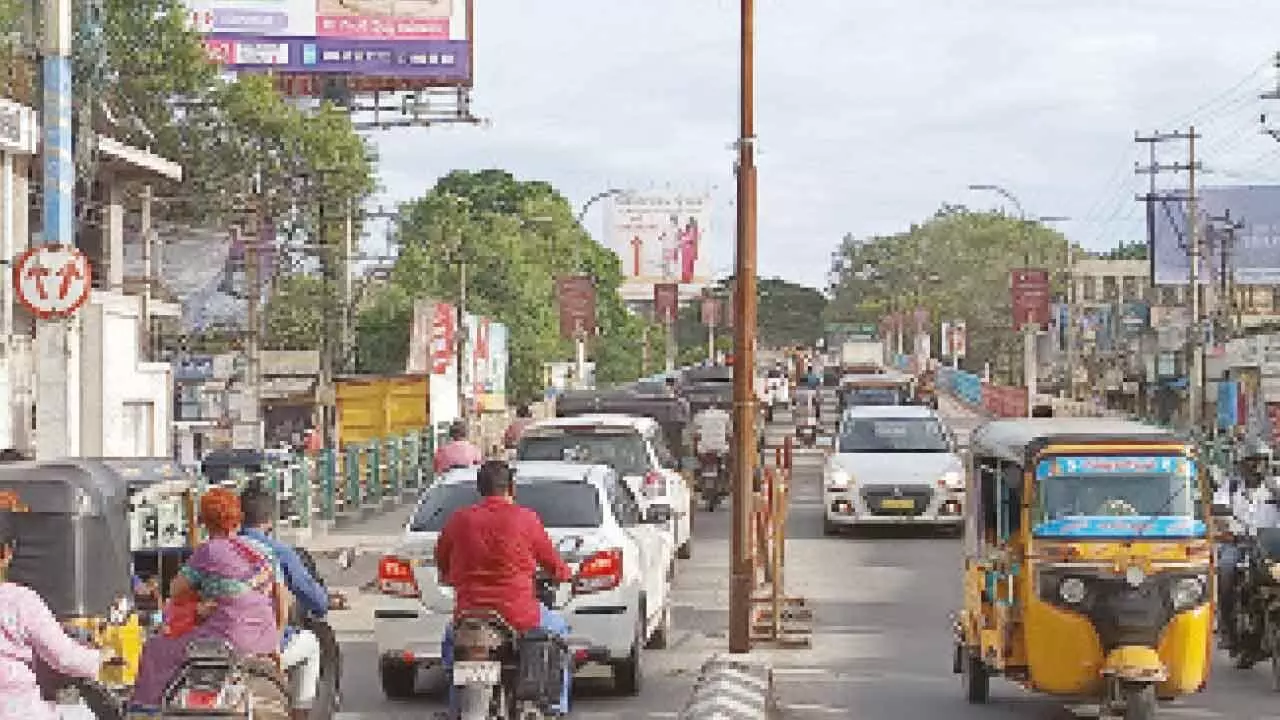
(378, 406)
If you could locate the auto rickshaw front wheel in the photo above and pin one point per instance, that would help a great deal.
(975, 677)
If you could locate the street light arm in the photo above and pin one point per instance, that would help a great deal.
(1002, 192)
(582, 213)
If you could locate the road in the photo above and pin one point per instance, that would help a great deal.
(881, 647)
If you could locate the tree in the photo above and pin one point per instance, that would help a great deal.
(786, 314)
(956, 266)
(1127, 251)
(514, 237)
(294, 315)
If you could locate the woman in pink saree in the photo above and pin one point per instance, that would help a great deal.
(688, 244)
(29, 634)
(241, 600)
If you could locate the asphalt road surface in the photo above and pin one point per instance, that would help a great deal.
(881, 646)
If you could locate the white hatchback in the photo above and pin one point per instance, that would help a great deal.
(621, 600)
(633, 446)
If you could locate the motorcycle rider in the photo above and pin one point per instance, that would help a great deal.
(300, 651)
(488, 553)
(1252, 507)
(712, 427)
(458, 452)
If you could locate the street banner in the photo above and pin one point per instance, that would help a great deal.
(577, 296)
(666, 302)
(711, 311)
(1029, 292)
(959, 339)
(944, 340)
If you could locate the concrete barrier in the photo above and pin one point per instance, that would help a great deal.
(729, 689)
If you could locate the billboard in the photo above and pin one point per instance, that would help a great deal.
(378, 44)
(661, 238)
(666, 302)
(1254, 254)
(1029, 293)
(577, 296)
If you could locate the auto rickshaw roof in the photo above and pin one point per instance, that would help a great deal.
(1011, 439)
(65, 487)
(138, 472)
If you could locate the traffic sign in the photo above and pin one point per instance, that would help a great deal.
(52, 281)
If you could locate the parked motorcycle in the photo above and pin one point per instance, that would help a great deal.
(713, 479)
(501, 675)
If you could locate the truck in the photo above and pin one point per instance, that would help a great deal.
(861, 356)
(372, 407)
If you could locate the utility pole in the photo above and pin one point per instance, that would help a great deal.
(1195, 335)
(741, 571)
(348, 292)
(1224, 238)
(253, 342)
(460, 333)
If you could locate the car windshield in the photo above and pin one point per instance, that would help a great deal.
(559, 504)
(622, 451)
(873, 396)
(1109, 490)
(893, 435)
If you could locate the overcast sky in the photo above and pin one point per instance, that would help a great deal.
(870, 114)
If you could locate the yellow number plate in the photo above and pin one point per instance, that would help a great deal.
(898, 504)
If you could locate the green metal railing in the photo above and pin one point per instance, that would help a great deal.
(333, 483)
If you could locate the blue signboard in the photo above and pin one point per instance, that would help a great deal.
(1096, 465)
(1228, 404)
(1163, 526)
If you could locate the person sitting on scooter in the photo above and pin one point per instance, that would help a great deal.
(300, 650)
(489, 553)
(1245, 495)
(29, 633)
(711, 429)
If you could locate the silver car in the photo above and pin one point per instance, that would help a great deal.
(893, 465)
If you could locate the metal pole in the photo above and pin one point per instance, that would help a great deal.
(711, 342)
(669, 327)
(148, 248)
(1071, 322)
(1196, 380)
(348, 293)
(1029, 369)
(253, 287)
(581, 358)
(744, 331)
(462, 338)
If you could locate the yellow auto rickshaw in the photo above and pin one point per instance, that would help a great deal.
(73, 549)
(1088, 564)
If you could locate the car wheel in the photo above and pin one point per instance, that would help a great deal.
(627, 674)
(686, 550)
(661, 635)
(399, 679)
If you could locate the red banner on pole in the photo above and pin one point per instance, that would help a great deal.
(444, 333)
(1029, 293)
(577, 296)
(666, 302)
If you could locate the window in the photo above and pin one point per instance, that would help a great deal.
(625, 508)
(620, 448)
(893, 435)
(1110, 289)
(1088, 288)
(559, 504)
(1129, 289)
(139, 419)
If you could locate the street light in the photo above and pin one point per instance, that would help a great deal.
(580, 341)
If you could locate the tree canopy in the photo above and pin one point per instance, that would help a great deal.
(514, 237)
(1127, 251)
(787, 314)
(955, 265)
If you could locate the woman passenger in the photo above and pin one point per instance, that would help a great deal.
(242, 601)
(29, 632)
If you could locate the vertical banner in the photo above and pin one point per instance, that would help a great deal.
(711, 311)
(1029, 293)
(577, 296)
(666, 302)
(444, 335)
(944, 340)
(959, 339)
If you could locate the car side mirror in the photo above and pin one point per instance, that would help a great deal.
(657, 515)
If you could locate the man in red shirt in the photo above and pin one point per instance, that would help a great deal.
(489, 552)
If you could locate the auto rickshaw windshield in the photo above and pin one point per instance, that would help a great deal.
(1158, 500)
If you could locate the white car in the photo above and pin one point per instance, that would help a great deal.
(622, 593)
(635, 447)
(893, 465)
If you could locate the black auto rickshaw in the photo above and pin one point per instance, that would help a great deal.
(73, 549)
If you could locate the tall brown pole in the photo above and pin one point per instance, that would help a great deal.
(744, 353)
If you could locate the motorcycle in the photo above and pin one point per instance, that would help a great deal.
(712, 479)
(502, 675)
(1256, 616)
(807, 433)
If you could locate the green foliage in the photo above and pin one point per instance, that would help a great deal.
(1127, 251)
(955, 265)
(514, 237)
(787, 314)
(294, 315)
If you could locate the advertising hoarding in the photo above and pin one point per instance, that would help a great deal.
(433, 351)
(577, 296)
(1254, 254)
(711, 311)
(1029, 292)
(380, 44)
(661, 238)
(666, 302)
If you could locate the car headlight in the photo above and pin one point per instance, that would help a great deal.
(839, 480)
(1187, 592)
(952, 480)
(1072, 590)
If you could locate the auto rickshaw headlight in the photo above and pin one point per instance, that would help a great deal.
(1187, 593)
(1273, 569)
(1134, 575)
(952, 480)
(1072, 590)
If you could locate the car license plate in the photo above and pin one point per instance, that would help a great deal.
(477, 672)
(898, 504)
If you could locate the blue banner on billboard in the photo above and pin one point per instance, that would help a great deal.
(1228, 404)
(1255, 253)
